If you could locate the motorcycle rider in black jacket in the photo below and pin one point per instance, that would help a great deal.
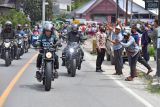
(72, 36)
(9, 33)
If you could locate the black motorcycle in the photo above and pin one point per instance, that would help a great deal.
(47, 68)
(26, 43)
(6, 51)
(20, 49)
(73, 59)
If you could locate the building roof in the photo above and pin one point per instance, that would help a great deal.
(84, 8)
(136, 8)
(7, 5)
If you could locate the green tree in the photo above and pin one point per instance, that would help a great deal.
(34, 9)
(49, 12)
(15, 17)
(79, 3)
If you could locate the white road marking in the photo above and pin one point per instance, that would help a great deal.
(142, 100)
(146, 103)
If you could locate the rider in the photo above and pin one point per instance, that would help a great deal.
(72, 36)
(27, 31)
(19, 30)
(46, 36)
(36, 31)
(9, 33)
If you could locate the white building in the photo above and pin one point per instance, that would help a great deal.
(63, 5)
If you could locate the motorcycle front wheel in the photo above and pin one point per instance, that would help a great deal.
(73, 68)
(7, 59)
(48, 76)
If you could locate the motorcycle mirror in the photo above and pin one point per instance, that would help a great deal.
(59, 44)
(84, 38)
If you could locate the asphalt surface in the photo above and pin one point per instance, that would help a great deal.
(87, 89)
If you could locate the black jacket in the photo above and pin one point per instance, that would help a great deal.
(8, 35)
(74, 37)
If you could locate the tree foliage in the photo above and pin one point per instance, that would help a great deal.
(34, 9)
(15, 17)
(79, 3)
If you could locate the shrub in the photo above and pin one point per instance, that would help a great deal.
(151, 50)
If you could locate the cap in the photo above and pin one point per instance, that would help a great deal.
(118, 27)
(126, 33)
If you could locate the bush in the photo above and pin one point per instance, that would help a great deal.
(151, 50)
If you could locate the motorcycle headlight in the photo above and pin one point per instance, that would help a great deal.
(71, 50)
(7, 45)
(48, 55)
(20, 41)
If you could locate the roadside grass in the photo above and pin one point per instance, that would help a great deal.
(151, 50)
(154, 89)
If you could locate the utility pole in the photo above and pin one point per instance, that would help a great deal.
(43, 11)
(126, 19)
(70, 6)
(131, 19)
(117, 13)
(158, 43)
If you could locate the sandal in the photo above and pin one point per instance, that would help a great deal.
(129, 79)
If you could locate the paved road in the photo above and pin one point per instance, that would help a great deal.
(87, 89)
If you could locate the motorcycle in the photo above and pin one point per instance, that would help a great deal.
(6, 51)
(26, 43)
(47, 68)
(20, 49)
(34, 38)
(73, 59)
(63, 35)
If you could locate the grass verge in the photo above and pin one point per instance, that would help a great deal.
(155, 89)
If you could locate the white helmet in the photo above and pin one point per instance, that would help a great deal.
(48, 27)
(35, 27)
(8, 23)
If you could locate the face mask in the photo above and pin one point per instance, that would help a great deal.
(132, 31)
(102, 30)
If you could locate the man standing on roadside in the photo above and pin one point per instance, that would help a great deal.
(117, 47)
(101, 47)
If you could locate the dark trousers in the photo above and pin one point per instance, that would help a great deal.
(100, 58)
(133, 62)
(145, 53)
(143, 62)
(118, 60)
